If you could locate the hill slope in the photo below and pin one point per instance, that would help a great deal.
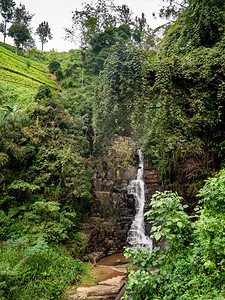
(22, 72)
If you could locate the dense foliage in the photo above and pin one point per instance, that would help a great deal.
(36, 270)
(170, 98)
(45, 186)
(191, 264)
(120, 91)
(174, 99)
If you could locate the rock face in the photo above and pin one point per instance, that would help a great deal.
(113, 209)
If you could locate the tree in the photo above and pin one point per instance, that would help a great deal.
(93, 19)
(7, 11)
(20, 34)
(103, 17)
(140, 28)
(124, 15)
(44, 33)
(2, 28)
(119, 97)
(20, 30)
(21, 16)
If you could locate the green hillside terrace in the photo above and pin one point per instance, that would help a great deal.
(23, 72)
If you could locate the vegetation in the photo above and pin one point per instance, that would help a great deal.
(191, 264)
(19, 29)
(44, 33)
(97, 22)
(35, 270)
(168, 95)
(20, 72)
(45, 184)
(7, 11)
(19, 33)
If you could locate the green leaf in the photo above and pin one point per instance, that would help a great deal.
(154, 228)
(180, 224)
(157, 236)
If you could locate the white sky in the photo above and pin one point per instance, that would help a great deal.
(58, 14)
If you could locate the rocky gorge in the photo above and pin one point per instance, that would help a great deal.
(112, 212)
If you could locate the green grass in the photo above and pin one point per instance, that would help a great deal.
(23, 72)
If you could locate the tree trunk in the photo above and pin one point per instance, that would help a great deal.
(42, 46)
(17, 47)
(4, 34)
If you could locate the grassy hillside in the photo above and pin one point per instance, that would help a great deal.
(22, 72)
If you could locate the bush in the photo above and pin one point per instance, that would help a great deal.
(54, 66)
(191, 266)
(59, 74)
(79, 245)
(43, 92)
(37, 271)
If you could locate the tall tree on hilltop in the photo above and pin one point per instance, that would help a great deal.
(20, 34)
(44, 33)
(7, 12)
(20, 30)
(22, 16)
(2, 27)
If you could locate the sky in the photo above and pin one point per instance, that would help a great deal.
(58, 14)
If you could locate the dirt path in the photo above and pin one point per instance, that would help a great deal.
(111, 276)
(53, 78)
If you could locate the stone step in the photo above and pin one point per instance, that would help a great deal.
(100, 291)
(109, 289)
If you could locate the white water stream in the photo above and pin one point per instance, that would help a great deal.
(137, 188)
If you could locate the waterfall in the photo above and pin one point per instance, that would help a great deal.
(137, 188)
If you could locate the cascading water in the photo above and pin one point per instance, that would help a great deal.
(136, 187)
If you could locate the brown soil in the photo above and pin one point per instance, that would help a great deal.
(53, 78)
(102, 273)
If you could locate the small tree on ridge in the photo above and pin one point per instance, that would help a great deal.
(44, 33)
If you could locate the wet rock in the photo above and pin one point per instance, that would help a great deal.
(95, 256)
(113, 209)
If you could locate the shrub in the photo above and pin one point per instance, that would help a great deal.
(37, 271)
(54, 66)
(43, 92)
(191, 266)
(59, 74)
(79, 245)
